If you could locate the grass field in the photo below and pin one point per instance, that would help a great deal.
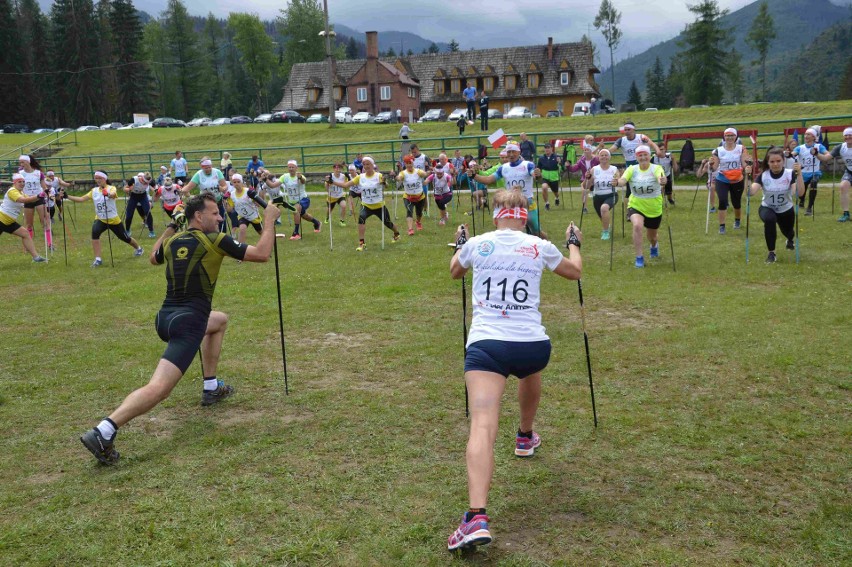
(243, 140)
(723, 395)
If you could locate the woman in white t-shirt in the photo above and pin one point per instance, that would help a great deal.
(506, 338)
(776, 206)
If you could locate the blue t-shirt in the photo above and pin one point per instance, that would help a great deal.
(469, 93)
(179, 165)
(254, 165)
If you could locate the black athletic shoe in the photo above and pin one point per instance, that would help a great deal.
(557, 202)
(771, 258)
(102, 449)
(791, 245)
(222, 391)
(671, 201)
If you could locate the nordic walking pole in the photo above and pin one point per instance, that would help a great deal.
(797, 225)
(253, 196)
(383, 220)
(671, 242)
(748, 204)
(328, 220)
(573, 237)
(707, 219)
(695, 196)
(537, 207)
(611, 236)
(64, 239)
(459, 243)
(833, 182)
(472, 207)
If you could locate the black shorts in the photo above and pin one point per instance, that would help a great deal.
(507, 358)
(653, 222)
(367, 213)
(177, 178)
(183, 330)
(354, 195)
(99, 227)
(9, 228)
(256, 226)
(600, 200)
(554, 185)
(34, 204)
(412, 207)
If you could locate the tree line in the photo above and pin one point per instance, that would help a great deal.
(87, 62)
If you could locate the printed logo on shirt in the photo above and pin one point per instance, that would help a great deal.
(528, 251)
(486, 248)
(182, 253)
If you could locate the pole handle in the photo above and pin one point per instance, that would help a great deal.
(256, 198)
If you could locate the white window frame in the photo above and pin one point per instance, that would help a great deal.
(385, 89)
(565, 78)
(361, 94)
(412, 93)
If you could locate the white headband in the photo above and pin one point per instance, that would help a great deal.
(503, 153)
(292, 162)
(206, 162)
(24, 158)
(49, 173)
(730, 131)
(140, 174)
(811, 131)
(626, 126)
(101, 174)
(847, 132)
(604, 151)
(643, 148)
(366, 159)
(237, 177)
(513, 147)
(352, 167)
(17, 177)
(164, 168)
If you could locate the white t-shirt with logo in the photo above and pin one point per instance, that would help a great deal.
(507, 268)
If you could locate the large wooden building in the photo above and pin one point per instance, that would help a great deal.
(552, 76)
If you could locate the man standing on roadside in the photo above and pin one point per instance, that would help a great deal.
(527, 147)
(470, 99)
(483, 111)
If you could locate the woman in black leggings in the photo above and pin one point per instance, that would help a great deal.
(776, 206)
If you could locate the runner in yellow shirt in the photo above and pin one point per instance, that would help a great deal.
(11, 207)
(645, 204)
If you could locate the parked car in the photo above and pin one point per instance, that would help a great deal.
(197, 122)
(519, 112)
(241, 120)
(363, 118)
(220, 121)
(456, 114)
(62, 130)
(263, 118)
(386, 117)
(288, 116)
(111, 126)
(434, 115)
(650, 109)
(16, 129)
(130, 126)
(553, 114)
(82, 128)
(166, 122)
(343, 114)
(43, 131)
(582, 109)
(493, 113)
(317, 118)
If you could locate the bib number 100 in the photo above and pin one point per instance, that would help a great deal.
(519, 290)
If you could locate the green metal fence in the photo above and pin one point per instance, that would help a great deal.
(320, 157)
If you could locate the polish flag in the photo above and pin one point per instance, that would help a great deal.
(753, 139)
(497, 139)
(558, 143)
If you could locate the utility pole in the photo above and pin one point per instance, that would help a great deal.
(328, 55)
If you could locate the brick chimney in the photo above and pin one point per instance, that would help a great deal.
(372, 69)
(549, 49)
(372, 45)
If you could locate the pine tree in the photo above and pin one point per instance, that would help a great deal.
(351, 49)
(657, 93)
(390, 52)
(74, 48)
(134, 77)
(107, 107)
(760, 38)
(674, 80)
(607, 22)
(633, 96)
(211, 47)
(12, 106)
(735, 85)
(453, 46)
(32, 27)
(433, 48)
(181, 39)
(299, 23)
(703, 57)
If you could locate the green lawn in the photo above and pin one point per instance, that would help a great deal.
(723, 396)
(243, 140)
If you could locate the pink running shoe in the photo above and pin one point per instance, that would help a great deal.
(526, 447)
(470, 534)
(419, 225)
(318, 226)
(296, 237)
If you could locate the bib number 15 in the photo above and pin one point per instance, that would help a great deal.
(519, 290)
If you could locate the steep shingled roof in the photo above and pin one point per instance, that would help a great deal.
(422, 69)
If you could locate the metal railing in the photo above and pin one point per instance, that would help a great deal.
(57, 136)
(318, 158)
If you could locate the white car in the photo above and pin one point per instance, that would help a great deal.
(87, 128)
(343, 114)
(220, 122)
(456, 114)
(518, 112)
(363, 118)
(582, 109)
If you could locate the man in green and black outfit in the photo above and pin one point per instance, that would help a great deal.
(549, 166)
(185, 321)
